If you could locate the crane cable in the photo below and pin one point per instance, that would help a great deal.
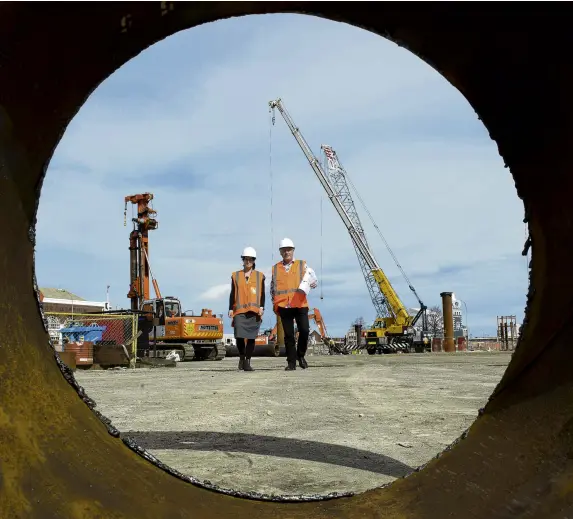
(271, 124)
(321, 279)
(381, 235)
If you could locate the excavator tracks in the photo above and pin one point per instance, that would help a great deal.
(189, 352)
(212, 353)
(219, 352)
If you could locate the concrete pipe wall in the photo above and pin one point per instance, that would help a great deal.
(60, 458)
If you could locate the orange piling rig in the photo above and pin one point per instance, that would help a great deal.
(162, 324)
(139, 249)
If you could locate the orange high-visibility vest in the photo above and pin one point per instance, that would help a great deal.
(287, 283)
(247, 294)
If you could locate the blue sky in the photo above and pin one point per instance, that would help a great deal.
(188, 120)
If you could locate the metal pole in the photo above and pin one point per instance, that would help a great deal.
(155, 339)
(133, 340)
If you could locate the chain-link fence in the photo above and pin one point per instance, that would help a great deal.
(87, 334)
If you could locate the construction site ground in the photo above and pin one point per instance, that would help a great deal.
(348, 423)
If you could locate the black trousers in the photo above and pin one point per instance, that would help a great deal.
(288, 316)
(248, 350)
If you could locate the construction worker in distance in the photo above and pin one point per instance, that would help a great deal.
(290, 284)
(246, 306)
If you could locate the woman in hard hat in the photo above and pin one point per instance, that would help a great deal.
(246, 306)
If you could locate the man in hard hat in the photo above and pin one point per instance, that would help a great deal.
(290, 284)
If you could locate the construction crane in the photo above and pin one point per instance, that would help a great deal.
(164, 327)
(393, 329)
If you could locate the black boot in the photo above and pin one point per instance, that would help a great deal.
(302, 363)
(247, 366)
(291, 366)
(241, 362)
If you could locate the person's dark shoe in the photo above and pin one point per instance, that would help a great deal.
(247, 365)
(302, 362)
(291, 366)
(241, 362)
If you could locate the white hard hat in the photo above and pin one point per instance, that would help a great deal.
(249, 252)
(286, 242)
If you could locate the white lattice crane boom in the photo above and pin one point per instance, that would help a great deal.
(336, 177)
(390, 310)
(317, 168)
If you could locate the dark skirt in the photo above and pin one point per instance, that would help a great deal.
(247, 325)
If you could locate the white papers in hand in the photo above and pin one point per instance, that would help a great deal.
(307, 280)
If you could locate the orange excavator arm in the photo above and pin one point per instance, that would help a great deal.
(317, 317)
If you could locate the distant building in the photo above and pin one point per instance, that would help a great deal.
(229, 340)
(60, 301)
(63, 301)
(351, 337)
(459, 329)
(316, 335)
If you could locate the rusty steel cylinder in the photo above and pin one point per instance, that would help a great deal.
(449, 343)
(436, 344)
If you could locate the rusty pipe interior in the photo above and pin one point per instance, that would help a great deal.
(60, 458)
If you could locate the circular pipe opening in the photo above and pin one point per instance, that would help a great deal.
(518, 445)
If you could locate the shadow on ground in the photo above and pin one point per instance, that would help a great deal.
(271, 446)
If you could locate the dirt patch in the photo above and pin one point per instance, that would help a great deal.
(348, 423)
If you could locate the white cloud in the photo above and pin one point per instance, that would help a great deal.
(199, 141)
(215, 293)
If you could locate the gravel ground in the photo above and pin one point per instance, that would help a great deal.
(348, 423)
